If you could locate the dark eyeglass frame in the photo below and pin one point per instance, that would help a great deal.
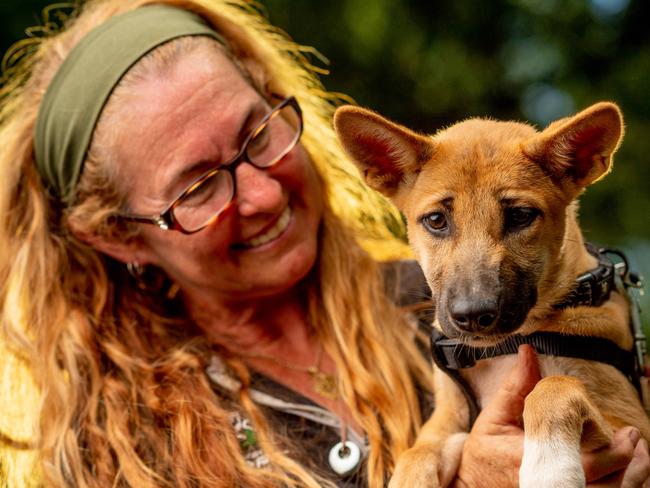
(166, 220)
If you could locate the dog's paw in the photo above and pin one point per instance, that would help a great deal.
(551, 464)
(416, 467)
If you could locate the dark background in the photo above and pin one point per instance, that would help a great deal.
(427, 64)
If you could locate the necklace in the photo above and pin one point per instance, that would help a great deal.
(323, 383)
(344, 456)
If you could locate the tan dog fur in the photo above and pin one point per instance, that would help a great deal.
(474, 174)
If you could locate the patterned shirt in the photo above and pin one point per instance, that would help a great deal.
(312, 430)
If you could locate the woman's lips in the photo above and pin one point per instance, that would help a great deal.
(270, 234)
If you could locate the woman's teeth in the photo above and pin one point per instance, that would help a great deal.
(273, 232)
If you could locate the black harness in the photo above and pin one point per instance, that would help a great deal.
(591, 289)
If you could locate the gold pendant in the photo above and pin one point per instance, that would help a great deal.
(324, 384)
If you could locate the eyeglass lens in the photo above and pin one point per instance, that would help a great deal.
(267, 145)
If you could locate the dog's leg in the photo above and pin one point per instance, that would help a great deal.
(433, 460)
(559, 418)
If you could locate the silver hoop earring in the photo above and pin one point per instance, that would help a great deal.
(151, 280)
(136, 270)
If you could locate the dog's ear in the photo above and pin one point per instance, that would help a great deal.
(577, 151)
(385, 153)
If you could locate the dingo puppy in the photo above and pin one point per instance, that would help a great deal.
(491, 215)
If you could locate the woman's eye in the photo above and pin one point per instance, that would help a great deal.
(518, 218)
(260, 141)
(435, 222)
(202, 192)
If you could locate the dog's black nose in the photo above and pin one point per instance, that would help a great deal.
(473, 316)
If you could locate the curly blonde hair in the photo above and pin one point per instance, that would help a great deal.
(104, 382)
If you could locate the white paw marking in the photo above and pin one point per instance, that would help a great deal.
(551, 463)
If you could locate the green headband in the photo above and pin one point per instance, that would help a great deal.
(76, 96)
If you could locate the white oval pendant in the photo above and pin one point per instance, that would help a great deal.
(343, 460)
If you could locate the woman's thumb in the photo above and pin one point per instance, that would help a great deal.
(508, 404)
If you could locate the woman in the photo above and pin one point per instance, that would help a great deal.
(182, 278)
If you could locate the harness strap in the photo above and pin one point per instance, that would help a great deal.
(451, 355)
(440, 354)
(458, 356)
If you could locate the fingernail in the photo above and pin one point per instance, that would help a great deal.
(635, 435)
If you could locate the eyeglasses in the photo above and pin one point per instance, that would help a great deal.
(201, 202)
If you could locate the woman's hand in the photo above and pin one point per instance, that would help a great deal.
(492, 453)
(626, 463)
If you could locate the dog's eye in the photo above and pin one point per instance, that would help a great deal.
(519, 217)
(435, 222)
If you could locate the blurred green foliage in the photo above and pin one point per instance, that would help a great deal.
(428, 64)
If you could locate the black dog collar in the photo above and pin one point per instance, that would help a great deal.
(592, 288)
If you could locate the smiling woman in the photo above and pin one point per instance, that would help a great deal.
(215, 127)
(253, 336)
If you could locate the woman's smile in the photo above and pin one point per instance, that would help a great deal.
(269, 235)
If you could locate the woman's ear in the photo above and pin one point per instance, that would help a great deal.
(129, 250)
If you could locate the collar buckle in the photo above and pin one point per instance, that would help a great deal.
(592, 289)
(450, 353)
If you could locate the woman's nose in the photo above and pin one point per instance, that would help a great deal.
(257, 191)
